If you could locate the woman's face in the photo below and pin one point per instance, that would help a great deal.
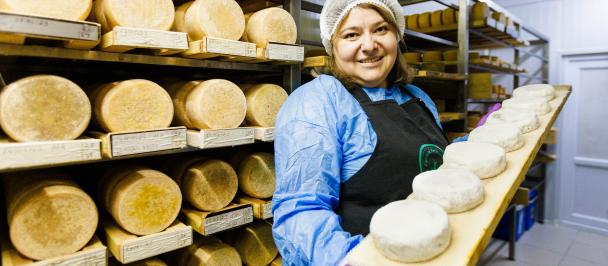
(365, 47)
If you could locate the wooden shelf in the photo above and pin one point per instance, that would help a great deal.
(472, 230)
(451, 116)
(94, 253)
(427, 74)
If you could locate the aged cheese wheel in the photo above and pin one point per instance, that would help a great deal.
(149, 262)
(412, 57)
(410, 230)
(145, 14)
(212, 252)
(44, 107)
(483, 159)
(505, 135)
(278, 261)
(256, 245)
(412, 21)
(537, 105)
(480, 11)
(256, 175)
(449, 16)
(215, 18)
(535, 90)
(455, 190)
(179, 22)
(135, 104)
(424, 20)
(48, 216)
(134, 195)
(209, 185)
(450, 55)
(436, 18)
(526, 122)
(177, 167)
(179, 94)
(272, 24)
(215, 104)
(431, 56)
(263, 104)
(65, 9)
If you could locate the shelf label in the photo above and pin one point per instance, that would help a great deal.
(50, 27)
(123, 144)
(149, 38)
(155, 244)
(229, 47)
(264, 133)
(221, 137)
(285, 52)
(28, 154)
(267, 210)
(226, 220)
(96, 257)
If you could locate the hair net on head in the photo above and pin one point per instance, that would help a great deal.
(334, 11)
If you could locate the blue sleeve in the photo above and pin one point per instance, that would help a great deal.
(308, 156)
(426, 99)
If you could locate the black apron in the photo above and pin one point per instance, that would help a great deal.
(409, 142)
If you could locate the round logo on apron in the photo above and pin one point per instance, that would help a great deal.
(430, 157)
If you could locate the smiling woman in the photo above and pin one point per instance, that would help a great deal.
(351, 141)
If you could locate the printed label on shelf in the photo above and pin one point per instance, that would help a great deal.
(264, 133)
(286, 52)
(150, 38)
(230, 47)
(223, 221)
(27, 154)
(123, 144)
(267, 210)
(151, 245)
(50, 27)
(211, 138)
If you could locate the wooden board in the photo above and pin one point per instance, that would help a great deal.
(262, 209)
(210, 47)
(427, 74)
(126, 247)
(316, 61)
(93, 254)
(215, 138)
(122, 39)
(551, 137)
(265, 134)
(15, 28)
(207, 223)
(283, 53)
(122, 144)
(472, 230)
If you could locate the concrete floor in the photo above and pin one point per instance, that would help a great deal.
(548, 245)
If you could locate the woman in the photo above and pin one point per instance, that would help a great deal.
(352, 142)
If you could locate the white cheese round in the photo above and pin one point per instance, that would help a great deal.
(526, 122)
(216, 104)
(504, 135)
(535, 90)
(215, 18)
(537, 105)
(455, 190)
(410, 230)
(64, 9)
(272, 24)
(483, 159)
(263, 104)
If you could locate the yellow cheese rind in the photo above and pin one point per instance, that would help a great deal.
(256, 245)
(263, 104)
(210, 185)
(272, 24)
(43, 108)
(64, 9)
(130, 105)
(215, 18)
(179, 94)
(257, 176)
(179, 22)
(424, 20)
(213, 252)
(144, 14)
(149, 262)
(216, 104)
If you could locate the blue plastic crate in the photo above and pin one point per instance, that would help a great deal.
(530, 214)
(502, 230)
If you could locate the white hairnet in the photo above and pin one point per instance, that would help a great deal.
(334, 11)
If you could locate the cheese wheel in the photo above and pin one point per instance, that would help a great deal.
(179, 22)
(278, 261)
(455, 190)
(215, 18)
(450, 55)
(144, 14)
(212, 252)
(215, 104)
(424, 20)
(179, 94)
(505, 135)
(449, 16)
(256, 245)
(256, 175)
(149, 262)
(129, 105)
(210, 185)
(412, 21)
(263, 104)
(412, 57)
(410, 230)
(526, 122)
(178, 167)
(134, 195)
(535, 90)
(480, 11)
(64, 9)
(44, 107)
(537, 105)
(436, 18)
(483, 159)
(431, 56)
(272, 24)
(48, 216)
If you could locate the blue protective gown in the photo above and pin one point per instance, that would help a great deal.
(322, 138)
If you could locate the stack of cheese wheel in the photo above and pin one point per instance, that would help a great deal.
(142, 201)
(206, 184)
(256, 175)
(272, 24)
(144, 14)
(136, 104)
(210, 104)
(65, 9)
(485, 160)
(505, 135)
(48, 215)
(263, 104)
(44, 107)
(455, 190)
(209, 251)
(214, 18)
(255, 244)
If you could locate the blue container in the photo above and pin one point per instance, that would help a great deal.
(502, 230)
(530, 214)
